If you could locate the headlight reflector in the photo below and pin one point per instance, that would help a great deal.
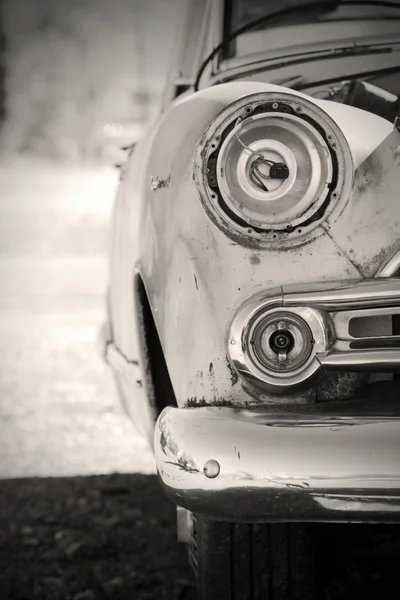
(272, 167)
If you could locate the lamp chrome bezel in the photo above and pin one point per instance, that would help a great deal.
(303, 230)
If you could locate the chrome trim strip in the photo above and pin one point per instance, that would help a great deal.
(334, 463)
(327, 308)
(391, 266)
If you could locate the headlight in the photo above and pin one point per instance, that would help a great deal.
(276, 348)
(273, 167)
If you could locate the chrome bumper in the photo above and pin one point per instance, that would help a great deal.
(332, 462)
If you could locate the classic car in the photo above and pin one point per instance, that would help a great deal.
(254, 295)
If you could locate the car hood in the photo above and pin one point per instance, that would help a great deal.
(292, 40)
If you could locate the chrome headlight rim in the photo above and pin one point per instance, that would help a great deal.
(318, 216)
(258, 373)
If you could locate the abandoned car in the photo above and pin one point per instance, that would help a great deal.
(254, 294)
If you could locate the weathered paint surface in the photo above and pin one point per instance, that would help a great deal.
(368, 229)
(196, 277)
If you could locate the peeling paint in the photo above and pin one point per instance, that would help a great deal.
(298, 486)
(342, 252)
(341, 385)
(167, 443)
(370, 174)
(184, 466)
(255, 259)
(195, 402)
(381, 257)
(233, 376)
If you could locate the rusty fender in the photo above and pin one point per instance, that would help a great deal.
(336, 462)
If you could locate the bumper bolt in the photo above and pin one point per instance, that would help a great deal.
(211, 469)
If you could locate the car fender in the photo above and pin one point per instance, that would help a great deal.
(196, 276)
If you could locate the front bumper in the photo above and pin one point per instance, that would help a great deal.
(330, 462)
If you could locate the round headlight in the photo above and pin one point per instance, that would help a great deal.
(273, 166)
(245, 170)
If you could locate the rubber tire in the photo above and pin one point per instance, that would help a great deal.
(255, 562)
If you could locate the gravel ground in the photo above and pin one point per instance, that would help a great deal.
(89, 538)
(114, 537)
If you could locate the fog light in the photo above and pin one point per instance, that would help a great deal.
(280, 341)
(278, 347)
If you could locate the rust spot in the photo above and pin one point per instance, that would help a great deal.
(195, 402)
(369, 175)
(255, 259)
(239, 455)
(341, 385)
(298, 486)
(363, 186)
(211, 368)
(379, 258)
(167, 443)
(234, 377)
(183, 465)
(397, 156)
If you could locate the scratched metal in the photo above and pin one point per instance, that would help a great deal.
(269, 467)
(369, 228)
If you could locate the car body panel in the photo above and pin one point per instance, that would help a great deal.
(196, 277)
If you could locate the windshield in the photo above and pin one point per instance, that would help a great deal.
(242, 12)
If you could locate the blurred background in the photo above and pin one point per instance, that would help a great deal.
(78, 80)
(82, 515)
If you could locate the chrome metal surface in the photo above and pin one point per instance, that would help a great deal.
(297, 133)
(391, 266)
(183, 521)
(337, 462)
(327, 310)
(156, 183)
(279, 137)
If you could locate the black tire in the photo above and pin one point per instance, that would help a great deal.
(254, 562)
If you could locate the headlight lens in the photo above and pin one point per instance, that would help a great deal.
(254, 147)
